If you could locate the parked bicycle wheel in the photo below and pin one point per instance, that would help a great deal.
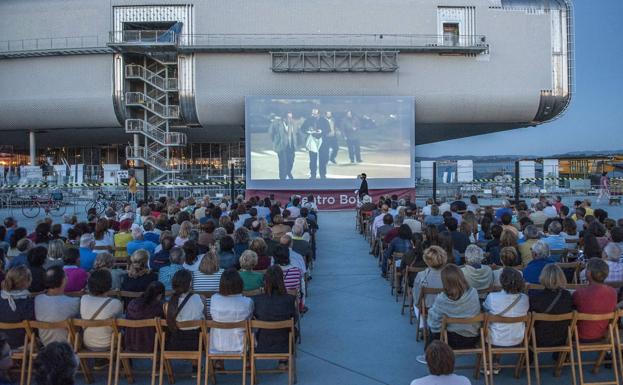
(57, 208)
(98, 205)
(31, 210)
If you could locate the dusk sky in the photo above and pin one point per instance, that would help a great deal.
(594, 121)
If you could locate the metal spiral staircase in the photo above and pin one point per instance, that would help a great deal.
(151, 104)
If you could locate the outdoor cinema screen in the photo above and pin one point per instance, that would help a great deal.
(325, 142)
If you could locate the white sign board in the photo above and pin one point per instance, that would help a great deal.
(465, 170)
(123, 174)
(426, 170)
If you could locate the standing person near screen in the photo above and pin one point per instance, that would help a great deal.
(315, 129)
(282, 134)
(350, 129)
(331, 140)
(604, 187)
(132, 188)
(363, 188)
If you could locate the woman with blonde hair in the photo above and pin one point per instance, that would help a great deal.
(435, 258)
(56, 252)
(208, 276)
(16, 304)
(184, 233)
(553, 299)
(107, 261)
(139, 275)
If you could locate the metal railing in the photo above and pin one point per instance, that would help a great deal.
(135, 71)
(54, 43)
(331, 40)
(153, 158)
(139, 126)
(140, 99)
(142, 37)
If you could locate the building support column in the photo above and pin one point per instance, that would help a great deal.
(33, 148)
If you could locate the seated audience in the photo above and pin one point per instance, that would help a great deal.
(553, 299)
(55, 306)
(399, 244)
(226, 256)
(241, 240)
(440, 360)
(279, 228)
(612, 255)
(554, 239)
(183, 306)
(166, 273)
(540, 258)
(258, 245)
(107, 261)
(291, 275)
(208, 276)
(87, 256)
(36, 258)
(584, 301)
(435, 258)
(531, 236)
(274, 305)
(16, 304)
(510, 302)
(229, 305)
(478, 276)
(138, 242)
(139, 275)
(251, 280)
(56, 251)
(508, 257)
(122, 238)
(147, 306)
(76, 276)
(97, 306)
(458, 300)
(161, 257)
(56, 364)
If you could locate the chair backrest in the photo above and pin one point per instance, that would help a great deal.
(251, 293)
(489, 318)
(597, 317)
(471, 320)
(227, 325)
(134, 324)
(15, 325)
(543, 317)
(413, 269)
(84, 323)
(397, 254)
(129, 294)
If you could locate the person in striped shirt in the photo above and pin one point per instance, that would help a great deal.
(292, 275)
(208, 276)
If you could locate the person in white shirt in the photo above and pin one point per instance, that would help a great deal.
(183, 306)
(510, 302)
(378, 220)
(412, 222)
(229, 305)
(440, 360)
(426, 209)
(97, 306)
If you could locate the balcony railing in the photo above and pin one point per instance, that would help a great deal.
(329, 41)
(143, 37)
(138, 71)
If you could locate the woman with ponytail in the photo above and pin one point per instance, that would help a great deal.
(147, 306)
(183, 306)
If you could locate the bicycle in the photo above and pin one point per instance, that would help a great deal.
(102, 201)
(52, 205)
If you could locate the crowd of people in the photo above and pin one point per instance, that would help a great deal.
(482, 258)
(186, 260)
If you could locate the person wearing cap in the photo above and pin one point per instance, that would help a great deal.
(139, 243)
(122, 238)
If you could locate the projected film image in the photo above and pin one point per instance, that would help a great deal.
(320, 141)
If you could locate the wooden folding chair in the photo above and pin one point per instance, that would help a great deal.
(251, 293)
(33, 346)
(564, 350)
(423, 311)
(392, 269)
(19, 354)
(608, 344)
(521, 350)
(407, 295)
(210, 371)
(560, 255)
(571, 268)
(166, 356)
(124, 356)
(78, 326)
(619, 342)
(479, 351)
(290, 355)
